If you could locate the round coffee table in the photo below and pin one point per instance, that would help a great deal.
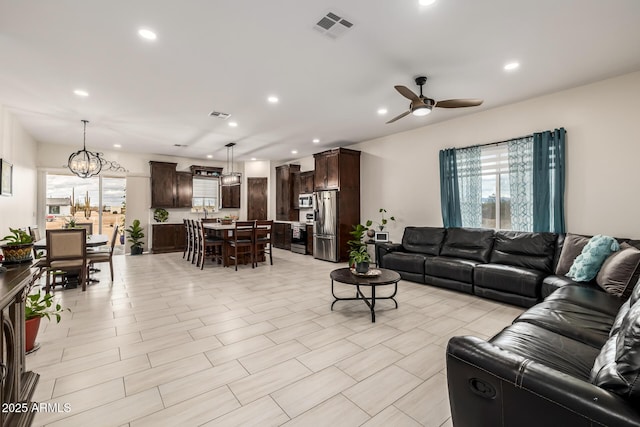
(386, 277)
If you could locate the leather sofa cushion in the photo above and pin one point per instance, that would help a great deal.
(403, 261)
(549, 348)
(571, 320)
(468, 243)
(516, 280)
(451, 268)
(620, 271)
(522, 249)
(425, 240)
(617, 367)
(622, 313)
(552, 283)
(590, 298)
(572, 246)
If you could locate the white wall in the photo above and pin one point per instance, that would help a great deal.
(401, 172)
(19, 148)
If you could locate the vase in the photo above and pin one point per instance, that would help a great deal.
(31, 327)
(18, 253)
(362, 267)
(370, 233)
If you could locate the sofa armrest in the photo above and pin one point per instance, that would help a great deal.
(385, 248)
(502, 388)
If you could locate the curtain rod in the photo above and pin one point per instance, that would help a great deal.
(506, 140)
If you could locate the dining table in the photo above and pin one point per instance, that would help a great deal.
(93, 240)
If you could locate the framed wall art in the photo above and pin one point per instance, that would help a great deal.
(6, 178)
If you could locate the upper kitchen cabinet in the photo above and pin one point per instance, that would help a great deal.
(230, 197)
(306, 182)
(184, 189)
(285, 210)
(337, 169)
(163, 184)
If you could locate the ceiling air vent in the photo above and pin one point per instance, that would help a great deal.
(332, 25)
(218, 114)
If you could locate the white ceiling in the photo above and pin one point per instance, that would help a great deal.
(230, 56)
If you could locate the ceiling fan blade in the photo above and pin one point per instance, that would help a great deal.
(407, 93)
(399, 117)
(457, 103)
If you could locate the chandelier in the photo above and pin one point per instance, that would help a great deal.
(85, 163)
(230, 178)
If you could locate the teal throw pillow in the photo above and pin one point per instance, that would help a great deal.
(586, 265)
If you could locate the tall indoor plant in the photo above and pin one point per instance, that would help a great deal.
(19, 246)
(136, 234)
(36, 307)
(359, 257)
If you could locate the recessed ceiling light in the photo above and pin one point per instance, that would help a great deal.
(273, 99)
(512, 66)
(147, 34)
(117, 145)
(253, 158)
(315, 141)
(382, 111)
(426, 2)
(233, 124)
(209, 156)
(81, 92)
(294, 151)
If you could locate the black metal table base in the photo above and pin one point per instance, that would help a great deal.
(370, 301)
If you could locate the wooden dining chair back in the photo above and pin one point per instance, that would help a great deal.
(188, 239)
(195, 233)
(210, 246)
(243, 238)
(263, 240)
(67, 251)
(87, 226)
(103, 254)
(34, 232)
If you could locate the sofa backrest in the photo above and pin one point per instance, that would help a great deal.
(424, 240)
(524, 249)
(468, 243)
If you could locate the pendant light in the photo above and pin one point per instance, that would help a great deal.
(85, 163)
(230, 178)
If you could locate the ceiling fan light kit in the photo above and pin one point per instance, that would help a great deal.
(422, 105)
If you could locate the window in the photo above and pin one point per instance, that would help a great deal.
(54, 210)
(205, 193)
(496, 200)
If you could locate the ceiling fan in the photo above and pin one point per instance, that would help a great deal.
(421, 105)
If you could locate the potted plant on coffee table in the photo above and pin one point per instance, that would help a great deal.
(19, 246)
(360, 258)
(36, 307)
(136, 234)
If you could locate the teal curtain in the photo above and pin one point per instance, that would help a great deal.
(449, 190)
(521, 183)
(548, 180)
(469, 168)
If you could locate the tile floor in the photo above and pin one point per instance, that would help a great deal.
(166, 344)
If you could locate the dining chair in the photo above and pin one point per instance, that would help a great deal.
(67, 251)
(243, 237)
(196, 241)
(263, 240)
(103, 254)
(87, 226)
(208, 245)
(34, 232)
(187, 237)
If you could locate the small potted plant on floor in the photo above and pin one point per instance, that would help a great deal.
(36, 307)
(19, 246)
(136, 234)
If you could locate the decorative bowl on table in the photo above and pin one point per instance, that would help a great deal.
(372, 272)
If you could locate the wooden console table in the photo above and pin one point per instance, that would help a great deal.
(17, 385)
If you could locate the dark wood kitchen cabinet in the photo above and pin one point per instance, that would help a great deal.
(282, 235)
(337, 169)
(163, 184)
(184, 189)
(168, 238)
(295, 191)
(285, 210)
(309, 239)
(230, 197)
(306, 182)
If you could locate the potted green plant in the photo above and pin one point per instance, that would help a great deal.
(19, 246)
(383, 221)
(136, 234)
(360, 259)
(161, 215)
(36, 307)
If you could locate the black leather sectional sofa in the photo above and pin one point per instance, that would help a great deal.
(510, 266)
(572, 360)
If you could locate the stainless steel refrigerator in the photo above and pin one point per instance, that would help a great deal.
(325, 226)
